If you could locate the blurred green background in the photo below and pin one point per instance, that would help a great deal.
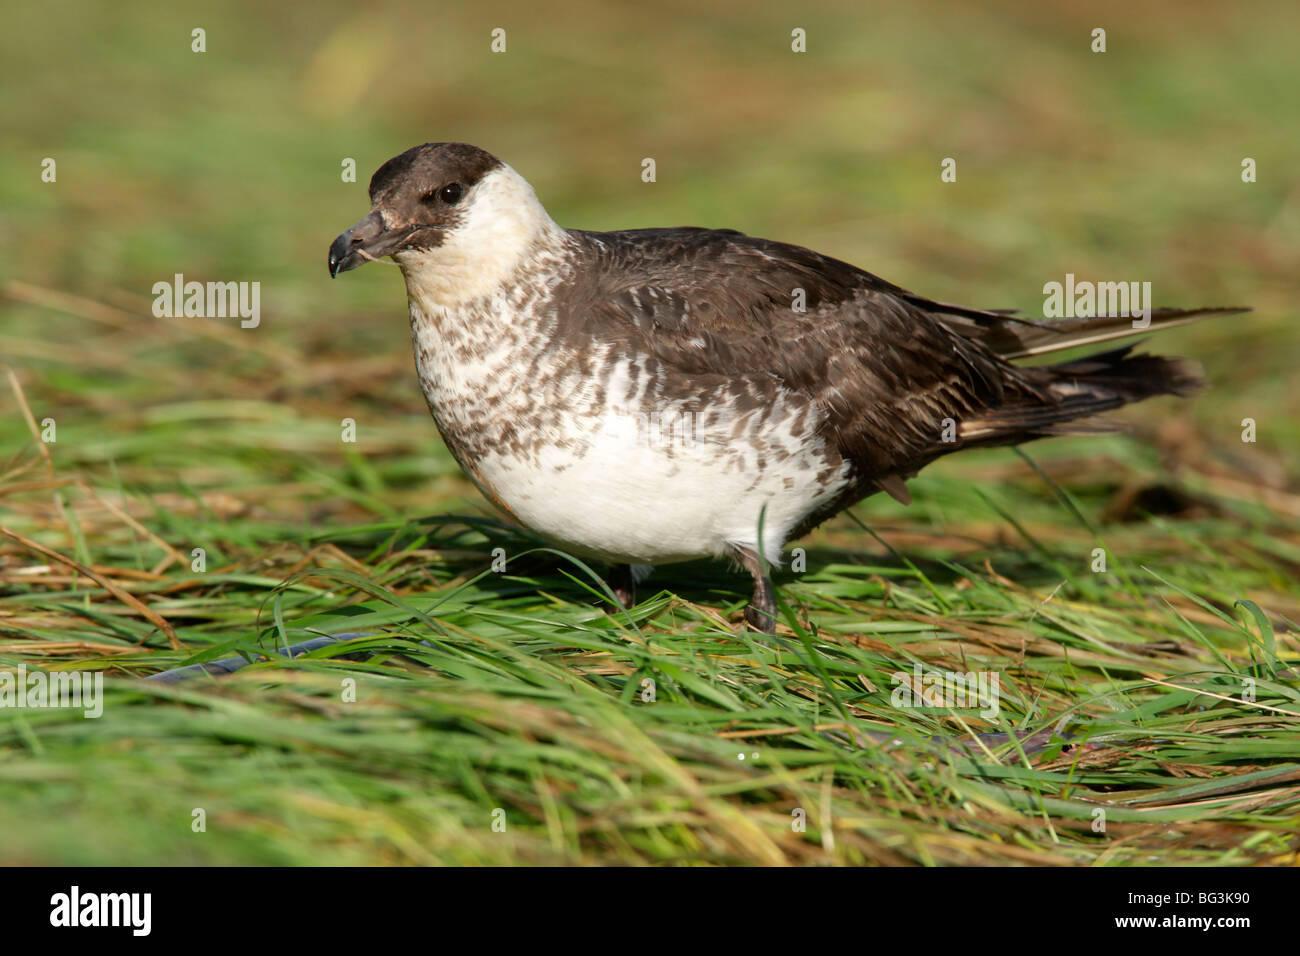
(225, 164)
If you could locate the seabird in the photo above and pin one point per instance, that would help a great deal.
(648, 396)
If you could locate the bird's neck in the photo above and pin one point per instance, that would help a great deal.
(479, 359)
(477, 354)
(502, 307)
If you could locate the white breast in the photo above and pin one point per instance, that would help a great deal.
(618, 482)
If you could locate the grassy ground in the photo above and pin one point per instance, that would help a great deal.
(516, 691)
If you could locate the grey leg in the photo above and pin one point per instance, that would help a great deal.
(228, 665)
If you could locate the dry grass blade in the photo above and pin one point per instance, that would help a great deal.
(126, 598)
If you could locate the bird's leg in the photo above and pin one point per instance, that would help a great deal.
(760, 613)
(622, 584)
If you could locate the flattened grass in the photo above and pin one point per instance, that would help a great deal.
(517, 693)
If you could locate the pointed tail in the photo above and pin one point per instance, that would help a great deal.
(1012, 337)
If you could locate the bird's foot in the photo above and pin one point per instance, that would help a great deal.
(761, 619)
(623, 585)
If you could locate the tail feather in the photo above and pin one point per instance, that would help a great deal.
(1062, 399)
(1012, 337)
(1073, 393)
(1132, 377)
(1047, 337)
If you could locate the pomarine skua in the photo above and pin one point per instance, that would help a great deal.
(655, 395)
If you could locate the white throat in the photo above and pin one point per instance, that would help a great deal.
(504, 225)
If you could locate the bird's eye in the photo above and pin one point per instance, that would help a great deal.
(448, 194)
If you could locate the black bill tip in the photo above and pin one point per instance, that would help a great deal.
(340, 248)
(367, 239)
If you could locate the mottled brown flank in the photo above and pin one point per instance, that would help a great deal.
(706, 315)
(880, 369)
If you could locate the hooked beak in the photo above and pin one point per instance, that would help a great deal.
(368, 239)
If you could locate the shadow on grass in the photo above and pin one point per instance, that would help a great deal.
(476, 542)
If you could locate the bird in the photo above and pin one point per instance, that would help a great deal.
(648, 396)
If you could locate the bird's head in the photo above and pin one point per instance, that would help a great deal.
(447, 208)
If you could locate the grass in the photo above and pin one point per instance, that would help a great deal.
(517, 695)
